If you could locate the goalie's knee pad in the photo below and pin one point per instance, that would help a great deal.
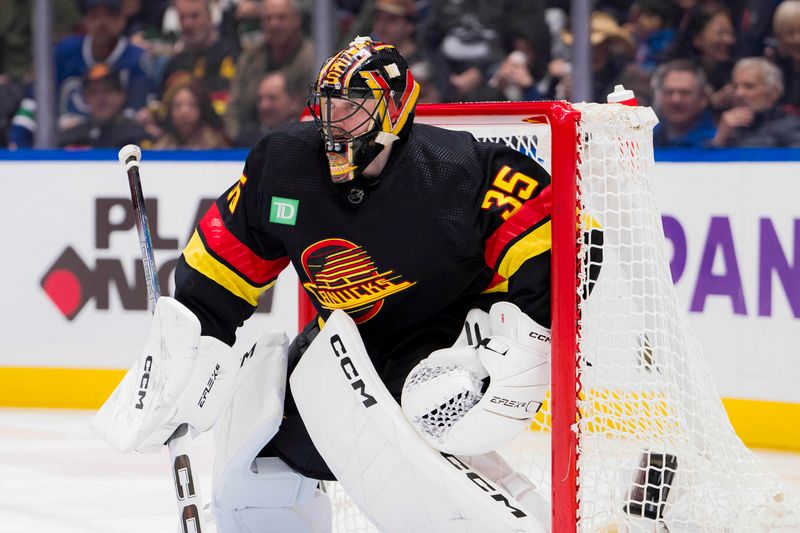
(272, 498)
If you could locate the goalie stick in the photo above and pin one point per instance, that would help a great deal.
(187, 488)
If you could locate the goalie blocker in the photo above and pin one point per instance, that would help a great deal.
(181, 377)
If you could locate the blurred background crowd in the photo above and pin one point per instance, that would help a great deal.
(202, 74)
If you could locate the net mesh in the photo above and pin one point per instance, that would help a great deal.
(655, 440)
(656, 451)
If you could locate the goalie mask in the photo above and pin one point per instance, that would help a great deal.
(362, 101)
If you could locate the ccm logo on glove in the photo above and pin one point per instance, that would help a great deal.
(539, 336)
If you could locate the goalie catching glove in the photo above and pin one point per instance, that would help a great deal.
(182, 377)
(444, 396)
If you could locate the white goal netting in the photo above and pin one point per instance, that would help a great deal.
(655, 452)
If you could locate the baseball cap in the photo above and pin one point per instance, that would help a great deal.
(103, 73)
(605, 28)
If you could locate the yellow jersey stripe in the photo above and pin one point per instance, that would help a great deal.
(531, 245)
(199, 259)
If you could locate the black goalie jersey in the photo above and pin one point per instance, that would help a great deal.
(450, 224)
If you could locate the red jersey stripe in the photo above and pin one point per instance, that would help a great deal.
(531, 213)
(230, 249)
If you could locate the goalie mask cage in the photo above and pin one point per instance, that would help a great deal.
(633, 436)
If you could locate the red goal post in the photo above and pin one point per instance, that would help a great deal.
(563, 120)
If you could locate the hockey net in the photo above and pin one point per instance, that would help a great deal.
(633, 436)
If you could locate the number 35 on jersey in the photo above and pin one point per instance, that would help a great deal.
(508, 191)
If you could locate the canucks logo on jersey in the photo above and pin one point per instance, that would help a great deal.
(343, 276)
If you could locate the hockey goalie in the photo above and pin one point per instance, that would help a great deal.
(427, 256)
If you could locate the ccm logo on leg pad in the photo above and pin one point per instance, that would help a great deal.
(484, 485)
(144, 382)
(350, 372)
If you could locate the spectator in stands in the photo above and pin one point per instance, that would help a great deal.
(389, 21)
(203, 54)
(612, 54)
(103, 43)
(285, 48)
(756, 119)
(752, 21)
(144, 18)
(74, 56)
(145, 30)
(682, 104)
(652, 28)
(786, 29)
(276, 106)
(428, 91)
(466, 41)
(683, 8)
(514, 78)
(240, 20)
(106, 126)
(394, 22)
(189, 120)
(355, 18)
(16, 46)
(708, 38)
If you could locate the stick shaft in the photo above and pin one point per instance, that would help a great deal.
(145, 240)
(187, 488)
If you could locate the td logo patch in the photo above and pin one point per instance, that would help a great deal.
(283, 210)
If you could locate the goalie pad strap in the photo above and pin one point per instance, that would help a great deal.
(272, 498)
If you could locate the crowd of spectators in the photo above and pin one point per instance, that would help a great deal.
(202, 74)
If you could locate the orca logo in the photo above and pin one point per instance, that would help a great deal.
(342, 275)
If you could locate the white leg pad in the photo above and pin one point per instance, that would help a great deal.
(398, 481)
(261, 495)
(272, 498)
(255, 411)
